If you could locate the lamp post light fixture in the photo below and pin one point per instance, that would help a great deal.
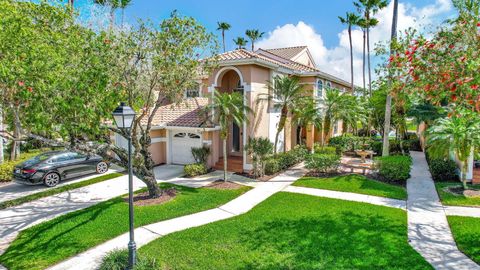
(124, 117)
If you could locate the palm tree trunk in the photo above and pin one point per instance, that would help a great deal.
(223, 39)
(388, 105)
(363, 64)
(281, 125)
(225, 160)
(123, 15)
(300, 136)
(112, 17)
(464, 174)
(351, 56)
(253, 45)
(368, 59)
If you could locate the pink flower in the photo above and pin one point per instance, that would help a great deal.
(20, 83)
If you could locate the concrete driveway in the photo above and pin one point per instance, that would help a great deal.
(13, 190)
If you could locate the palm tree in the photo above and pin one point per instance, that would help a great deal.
(340, 106)
(240, 42)
(459, 133)
(285, 92)
(305, 113)
(228, 108)
(362, 24)
(70, 3)
(350, 19)
(223, 26)
(388, 104)
(254, 35)
(123, 4)
(112, 4)
(369, 8)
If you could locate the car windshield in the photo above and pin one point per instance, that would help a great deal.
(37, 159)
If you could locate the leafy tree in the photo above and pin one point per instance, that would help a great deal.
(350, 19)
(459, 133)
(240, 42)
(228, 108)
(223, 26)
(285, 91)
(254, 35)
(259, 149)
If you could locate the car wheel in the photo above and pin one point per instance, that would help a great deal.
(51, 179)
(102, 167)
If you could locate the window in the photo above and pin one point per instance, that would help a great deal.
(319, 92)
(193, 136)
(329, 85)
(180, 135)
(193, 92)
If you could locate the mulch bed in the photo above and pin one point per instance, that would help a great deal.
(142, 199)
(220, 184)
(264, 178)
(459, 191)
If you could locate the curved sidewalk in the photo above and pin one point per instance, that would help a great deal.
(428, 229)
(145, 234)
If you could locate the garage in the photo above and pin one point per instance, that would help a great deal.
(182, 143)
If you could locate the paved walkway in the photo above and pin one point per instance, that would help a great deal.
(462, 211)
(143, 235)
(428, 229)
(17, 218)
(348, 196)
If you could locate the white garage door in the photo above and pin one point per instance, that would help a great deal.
(182, 143)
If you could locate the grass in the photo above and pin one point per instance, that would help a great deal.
(448, 198)
(294, 231)
(53, 241)
(356, 184)
(466, 231)
(53, 191)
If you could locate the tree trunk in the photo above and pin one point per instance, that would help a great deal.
(388, 105)
(363, 65)
(351, 57)
(223, 39)
(328, 126)
(464, 174)
(368, 59)
(300, 136)
(281, 125)
(225, 159)
(123, 16)
(253, 46)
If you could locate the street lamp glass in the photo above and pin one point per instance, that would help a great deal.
(123, 116)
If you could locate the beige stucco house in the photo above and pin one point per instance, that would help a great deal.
(179, 128)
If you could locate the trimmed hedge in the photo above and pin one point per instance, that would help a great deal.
(318, 149)
(285, 160)
(394, 168)
(323, 162)
(195, 169)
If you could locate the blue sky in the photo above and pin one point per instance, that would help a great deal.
(288, 23)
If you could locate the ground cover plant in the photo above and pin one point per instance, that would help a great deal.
(282, 233)
(50, 242)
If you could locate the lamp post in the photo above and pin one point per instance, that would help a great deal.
(124, 116)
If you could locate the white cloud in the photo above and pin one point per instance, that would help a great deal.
(336, 60)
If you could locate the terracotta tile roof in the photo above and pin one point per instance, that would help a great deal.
(287, 53)
(242, 54)
(187, 113)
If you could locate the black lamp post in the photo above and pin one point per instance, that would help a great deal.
(124, 116)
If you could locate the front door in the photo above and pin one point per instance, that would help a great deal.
(236, 140)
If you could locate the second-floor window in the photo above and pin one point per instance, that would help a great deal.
(319, 88)
(193, 92)
(329, 85)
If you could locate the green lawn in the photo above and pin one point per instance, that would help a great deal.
(466, 231)
(53, 191)
(356, 184)
(53, 241)
(294, 231)
(448, 198)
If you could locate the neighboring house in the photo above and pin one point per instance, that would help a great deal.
(177, 128)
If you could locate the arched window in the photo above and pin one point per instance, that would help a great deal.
(319, 88)
(329, 85)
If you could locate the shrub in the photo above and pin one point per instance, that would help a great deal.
(323, 162)
(318, 149)
(286, 159)
(394, 168)
(259, 149)
(195, 169)
(272, 166)
(376, 147)
(342, 143)
(443, 169)
(118, 260)
(200, 154)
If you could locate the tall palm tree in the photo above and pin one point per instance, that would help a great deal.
(70, 3)
(388, 104)
(459, 133)
(228, 108)
(254, 35)
(285, 92)
(223, 26)
(350, 19)
(240, 42)
(112, 4)
(368, 8)
(362, 24)
(305, 113)
(123, 4)
(338, 106)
